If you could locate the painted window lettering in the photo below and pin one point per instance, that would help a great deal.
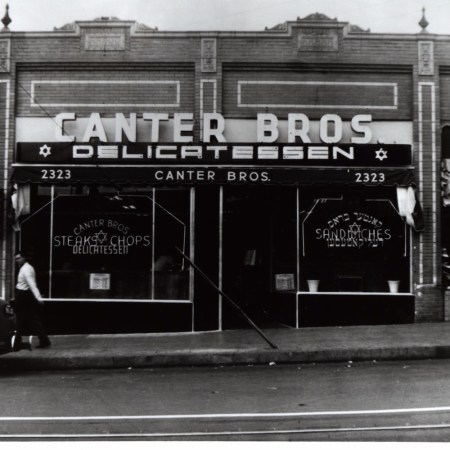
(101, 236)
(354, 230)
(354, 237)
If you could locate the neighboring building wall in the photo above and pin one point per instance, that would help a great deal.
(6, 159)
(6, 152)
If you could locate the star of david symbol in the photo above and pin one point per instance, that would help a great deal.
(45, 150)
(101, 237)
(355, 228)
(381, 154)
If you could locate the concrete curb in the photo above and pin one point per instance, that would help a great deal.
(28, 361)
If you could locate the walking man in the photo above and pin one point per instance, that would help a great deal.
(29, 303)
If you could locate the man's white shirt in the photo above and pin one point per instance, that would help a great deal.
(26, 280)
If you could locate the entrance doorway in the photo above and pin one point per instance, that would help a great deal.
(246, 236)
(259, 243)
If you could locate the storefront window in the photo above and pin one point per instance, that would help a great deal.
(94, 243)
(352, 241)
(171, 232)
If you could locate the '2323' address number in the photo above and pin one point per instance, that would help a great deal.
(369, 177)
(56, 174)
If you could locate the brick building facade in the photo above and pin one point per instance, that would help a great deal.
(111, 119)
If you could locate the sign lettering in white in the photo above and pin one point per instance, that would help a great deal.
(100, 237)
(214, 127)
(354, 230)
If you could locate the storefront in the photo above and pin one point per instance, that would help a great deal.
(118, 218)
(289, 164)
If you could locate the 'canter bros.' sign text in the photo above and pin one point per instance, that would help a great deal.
(302, 146)
(147, 128)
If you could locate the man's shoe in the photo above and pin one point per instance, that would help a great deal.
(44, 345)
(17, 344)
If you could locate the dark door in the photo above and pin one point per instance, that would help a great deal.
(246, 251)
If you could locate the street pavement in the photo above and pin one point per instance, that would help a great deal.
(235, 347)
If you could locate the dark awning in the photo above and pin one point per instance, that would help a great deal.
(62, 174)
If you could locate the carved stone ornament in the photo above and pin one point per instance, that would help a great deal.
(209, 54)
(67, 27)
(4, 55)
(6, 20)
(423, 22)
(317, 17)
(318, 40)
(426, 58)
(105, 42)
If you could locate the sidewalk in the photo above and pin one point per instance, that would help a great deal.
(305, 345)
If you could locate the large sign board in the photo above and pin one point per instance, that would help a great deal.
(237, 154)
(145, 163)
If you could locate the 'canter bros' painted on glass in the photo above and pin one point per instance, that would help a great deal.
(101, 237)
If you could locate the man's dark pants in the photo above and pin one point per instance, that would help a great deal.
(28, 315)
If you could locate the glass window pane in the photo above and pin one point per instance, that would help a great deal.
(92, 243)
(172, 232)
(102, 246)
(352, 241)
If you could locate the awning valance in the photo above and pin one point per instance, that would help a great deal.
(62, 174)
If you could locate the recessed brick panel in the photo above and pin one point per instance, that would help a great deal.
(384, 96)
(445, 97)
(112, 90)
(318, 94)
(109, 93)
